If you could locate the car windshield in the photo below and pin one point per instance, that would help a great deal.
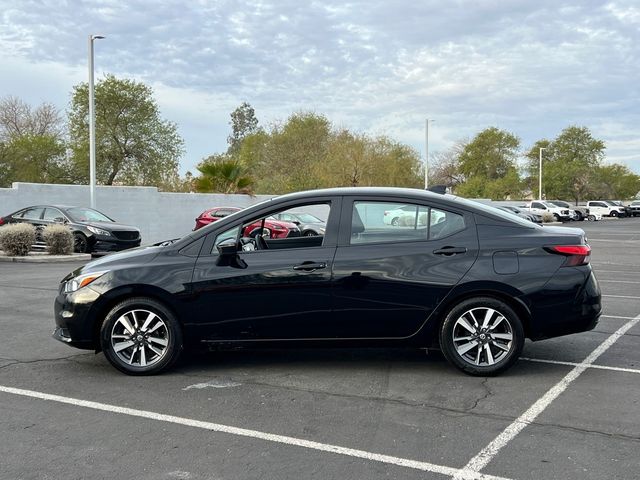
(561, 204)
(81, 214)
(307, 218)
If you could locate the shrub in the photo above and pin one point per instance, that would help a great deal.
(547, 217)
(17, 239)
(59, 240)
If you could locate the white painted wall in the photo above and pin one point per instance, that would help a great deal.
(158, 215)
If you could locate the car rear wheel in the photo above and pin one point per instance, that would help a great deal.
(482, 336)
(80, 243)
(395, 221)
(591, 218)
(140, 336)
(309, 233)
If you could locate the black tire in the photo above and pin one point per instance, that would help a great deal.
(556, 217)
(309, 233)
(614, 213)
(591, 218)
(80, 243)
(395, 221)
(155, 329)
(579, 216)
(483, 348)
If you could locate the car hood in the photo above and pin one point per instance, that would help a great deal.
(111, 226)
(131, 257)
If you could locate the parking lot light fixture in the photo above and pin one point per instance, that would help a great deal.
(426, 153)
(92, 125)
(540, 174)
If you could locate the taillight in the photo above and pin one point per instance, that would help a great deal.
(386, 213)
(576, 254)
(1, 221)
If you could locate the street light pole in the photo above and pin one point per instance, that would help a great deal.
(540, 175)
(426, 154)
(92, 125)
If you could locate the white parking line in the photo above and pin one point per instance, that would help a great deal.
(572, 364)
(270, 437)
(600, 280)
(487, 454)
(626, 272)
(621, 296)
(618, 316)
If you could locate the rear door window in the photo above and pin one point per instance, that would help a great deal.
(387, 222)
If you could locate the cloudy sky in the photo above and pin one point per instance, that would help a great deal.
(378, 67)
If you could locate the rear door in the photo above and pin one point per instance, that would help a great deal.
(387, 279)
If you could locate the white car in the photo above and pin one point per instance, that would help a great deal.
(559, 213)
(606, 209)
(394, 217)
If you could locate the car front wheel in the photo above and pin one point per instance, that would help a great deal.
(80, 243)
(482, 336)
(140, 336)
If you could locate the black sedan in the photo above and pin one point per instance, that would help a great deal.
(469, 279)
(93, 231)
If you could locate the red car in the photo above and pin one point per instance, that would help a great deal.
(213, 214)
(273, 228)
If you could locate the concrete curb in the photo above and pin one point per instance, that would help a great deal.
(42, 257)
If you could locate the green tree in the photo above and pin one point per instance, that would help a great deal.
(32, 144)
(615, 181)
(219, 173)
(243, 123)
(134, 145)
(569, 164)
(488, 165)
(490, 154)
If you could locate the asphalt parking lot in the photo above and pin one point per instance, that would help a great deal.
(569, 409)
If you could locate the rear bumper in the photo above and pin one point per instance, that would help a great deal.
(558, 311)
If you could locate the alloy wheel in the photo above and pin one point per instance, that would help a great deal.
(140, 338)
(482, 336)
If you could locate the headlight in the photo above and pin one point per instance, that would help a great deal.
(98, 231)
(80, 281)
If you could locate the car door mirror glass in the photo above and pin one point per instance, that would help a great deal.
(59, 220)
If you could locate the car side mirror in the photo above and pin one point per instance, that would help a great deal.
(60, 220)
(296, 222)
(227, 248)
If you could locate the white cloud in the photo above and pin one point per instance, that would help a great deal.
(379, 67)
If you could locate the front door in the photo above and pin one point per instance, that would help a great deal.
(273, 289)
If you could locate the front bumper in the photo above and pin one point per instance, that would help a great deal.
(75, 318)
(102, 243)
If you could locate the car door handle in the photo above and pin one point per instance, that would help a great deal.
(450, 251)
(310, 266)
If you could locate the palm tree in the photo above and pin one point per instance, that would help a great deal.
(223, 175)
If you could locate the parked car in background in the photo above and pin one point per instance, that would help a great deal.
(473, 281)
(308, 224)
(539, 207)
(213, 214)
(581, 213)
(271, 228)
(605, 208)
(532, 217)
(93, 231)
(627, 208)
(635, 208)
